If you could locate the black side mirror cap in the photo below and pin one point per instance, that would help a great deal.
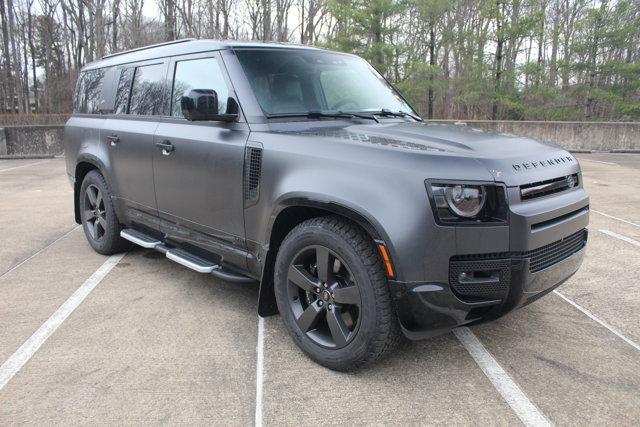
(202, 105)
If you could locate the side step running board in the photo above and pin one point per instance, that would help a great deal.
(183, 257)
(139, 238)
(193, 262)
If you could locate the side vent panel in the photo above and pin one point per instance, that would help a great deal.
(252, 174)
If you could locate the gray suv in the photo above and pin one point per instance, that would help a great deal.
(304, 170)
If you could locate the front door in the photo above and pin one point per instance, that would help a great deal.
(198, 166)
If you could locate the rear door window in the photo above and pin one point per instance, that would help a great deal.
(147, 90)
(122, 91)
(204, 73)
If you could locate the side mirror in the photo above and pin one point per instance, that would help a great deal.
(202, 105)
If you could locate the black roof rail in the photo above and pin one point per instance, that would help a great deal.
(147, 47)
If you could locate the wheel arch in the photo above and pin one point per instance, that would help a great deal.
(293, 211)
(84, 165)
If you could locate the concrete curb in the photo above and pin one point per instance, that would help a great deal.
(27, 156)
(632, 151)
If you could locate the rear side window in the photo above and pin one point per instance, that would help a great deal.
(147, 90)
(89, 97)
(198, 74)
(122, 91)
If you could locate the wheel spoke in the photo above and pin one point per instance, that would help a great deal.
(102, 223)
(88, 214)
(302, 278)
(98, 199)
(93, 196)
(309, 318)
(91, 225)
(324, 262)
(339, 331)
(348, 295)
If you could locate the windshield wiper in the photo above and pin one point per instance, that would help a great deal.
(388, 113)
(321, 114)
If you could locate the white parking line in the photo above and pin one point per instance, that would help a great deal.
(528, 413)
(24, 166)
(36, 253)
(621, 237)
(18, 359)
(601, 322)
(614, 217)
(259, 371)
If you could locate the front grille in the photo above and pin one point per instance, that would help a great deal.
(550, 254)
(550, 186)
(539, 258)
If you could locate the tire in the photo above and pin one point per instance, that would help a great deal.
(337, 326)
(98, 216)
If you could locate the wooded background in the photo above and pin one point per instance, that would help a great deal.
(485, 59)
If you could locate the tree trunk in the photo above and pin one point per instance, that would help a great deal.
(266, 20)
(169, 20)
(10, 92)
(593, 54)
(432, 63)
(498, 60)
(115, 14)
(32, 52)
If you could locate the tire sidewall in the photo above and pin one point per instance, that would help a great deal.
(356, 350)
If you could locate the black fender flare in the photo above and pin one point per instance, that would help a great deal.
(99, 165)
(266, 298)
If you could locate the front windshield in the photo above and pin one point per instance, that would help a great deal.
(297, 81)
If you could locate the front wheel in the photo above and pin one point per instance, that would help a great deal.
(333, 295)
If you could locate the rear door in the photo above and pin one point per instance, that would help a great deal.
(199, 183)
(128, 136)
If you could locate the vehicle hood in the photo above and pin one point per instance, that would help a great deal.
(511, 159)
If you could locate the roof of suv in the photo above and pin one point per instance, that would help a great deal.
(182, 47)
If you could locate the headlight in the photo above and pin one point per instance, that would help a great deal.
(456, 203)
(464, 200)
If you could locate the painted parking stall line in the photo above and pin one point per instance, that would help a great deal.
(598, 320)
(615, 217)
(18, 359)
(259, 372)
(528, 413)
(24, 166)
(621, 237)
(39, 251)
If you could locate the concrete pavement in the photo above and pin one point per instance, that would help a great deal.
(157, 343)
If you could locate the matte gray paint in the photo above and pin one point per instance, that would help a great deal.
(376, 171)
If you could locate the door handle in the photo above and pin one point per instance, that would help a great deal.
(166, 146)
(113, 139)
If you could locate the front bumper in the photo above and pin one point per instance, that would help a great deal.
(491, 271)
(430, 309)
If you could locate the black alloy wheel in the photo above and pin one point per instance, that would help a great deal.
(95, 213)
(333, 296)
(324, 297)
(99, 219)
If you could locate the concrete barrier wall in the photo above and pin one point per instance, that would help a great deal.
(601, 136)
(595, 136)
(31, 140)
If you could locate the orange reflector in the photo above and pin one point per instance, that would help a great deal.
(386, 259)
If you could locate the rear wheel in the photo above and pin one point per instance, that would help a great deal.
(333, 295)
(99, 220)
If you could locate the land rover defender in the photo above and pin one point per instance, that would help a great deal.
(305, 171)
